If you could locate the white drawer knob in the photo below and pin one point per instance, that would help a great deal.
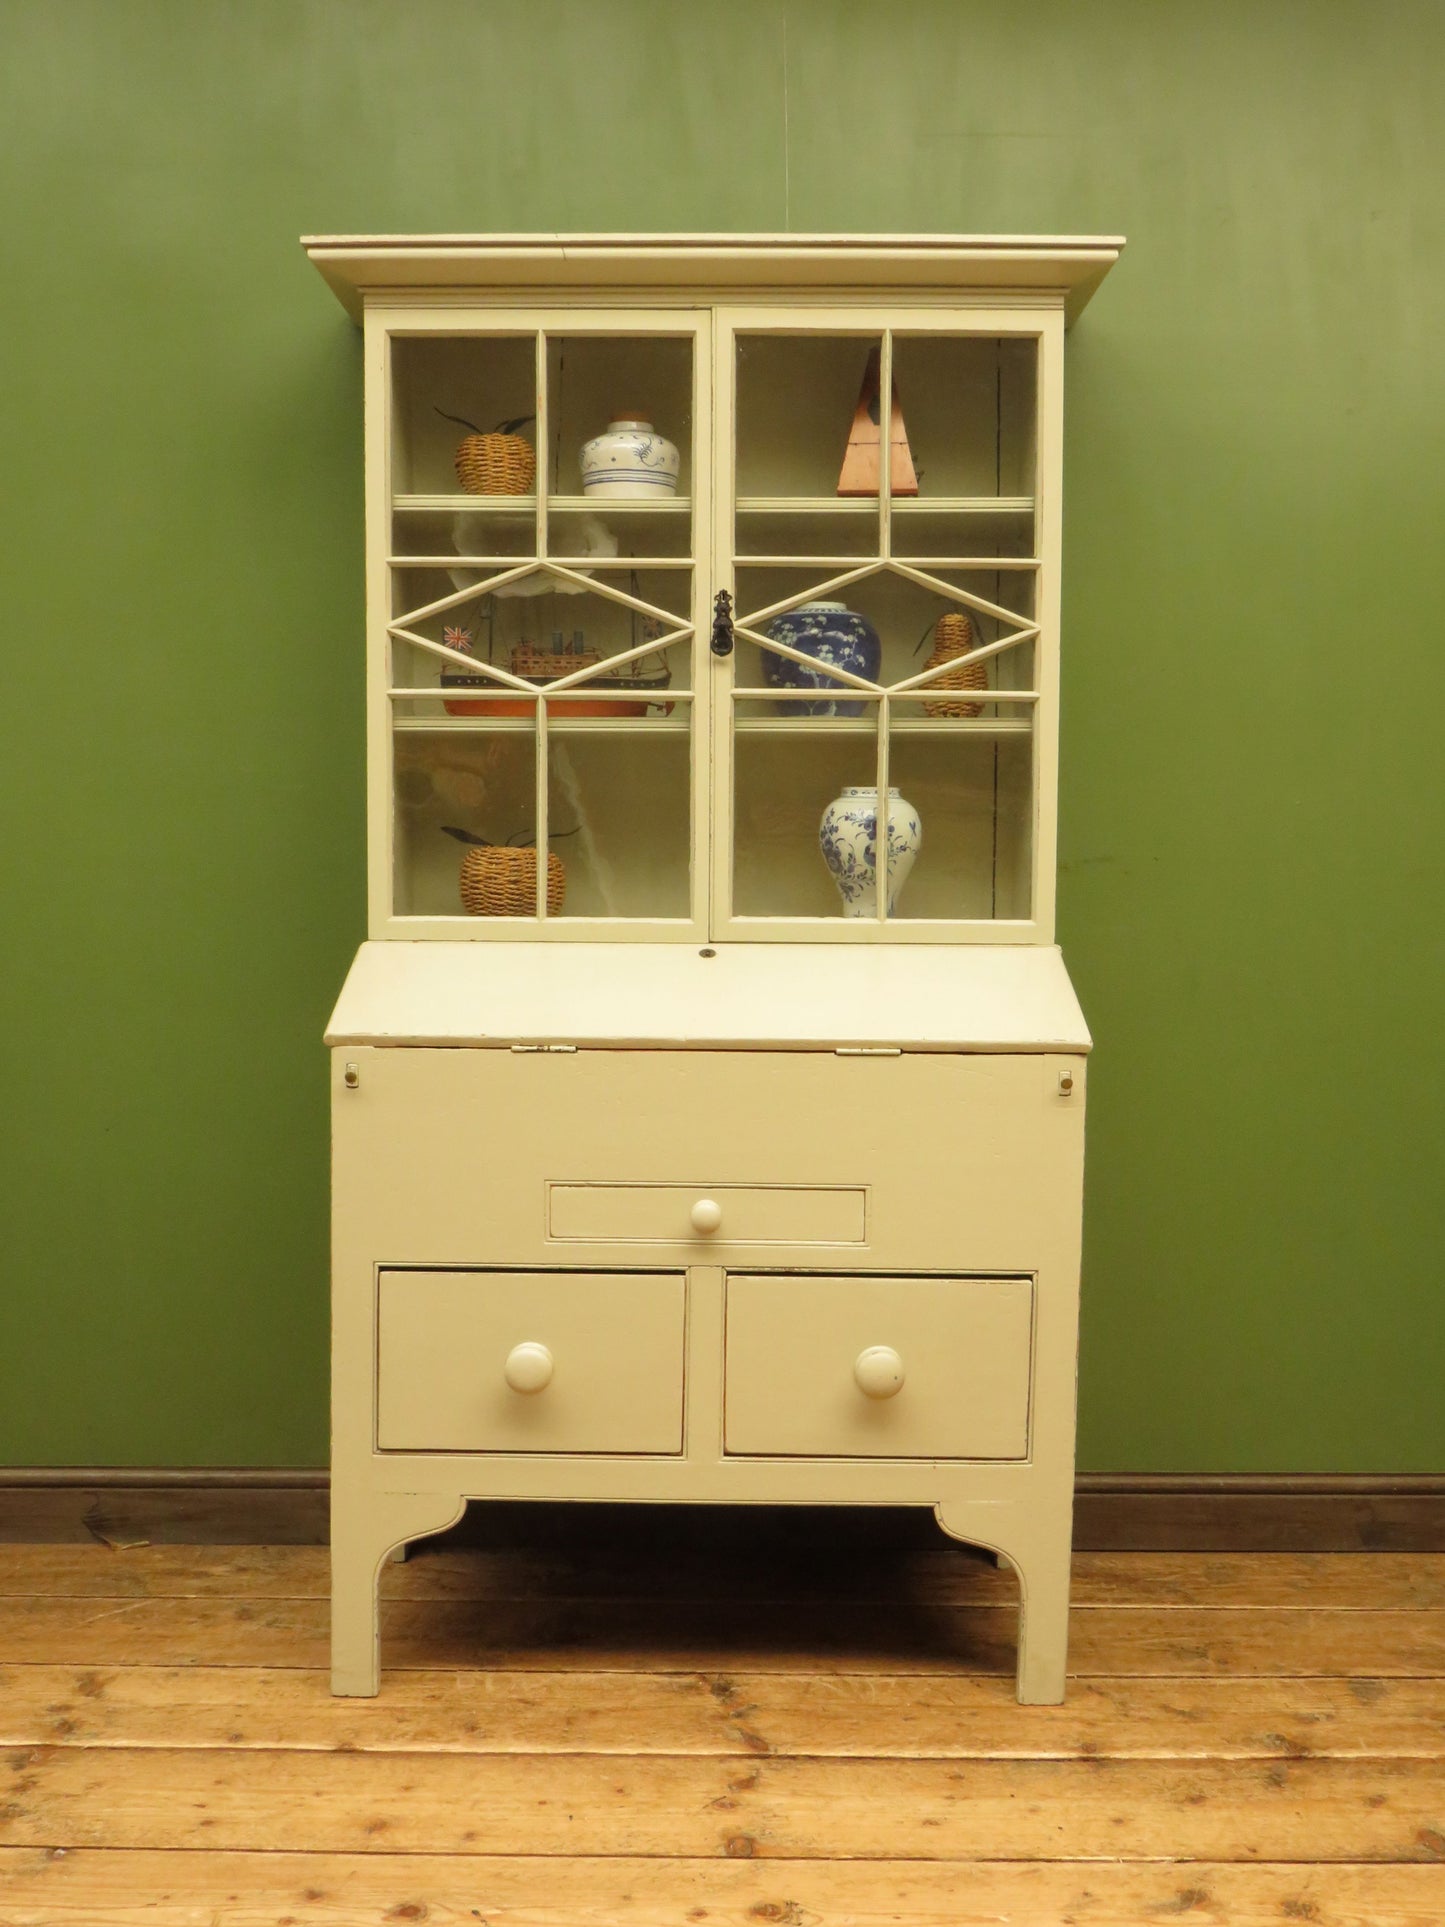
(879, 1371)
(706, 1215)
(528, 1368)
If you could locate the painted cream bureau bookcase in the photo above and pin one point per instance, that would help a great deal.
(684, 1149)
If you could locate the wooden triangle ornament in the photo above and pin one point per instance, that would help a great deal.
(860, 470)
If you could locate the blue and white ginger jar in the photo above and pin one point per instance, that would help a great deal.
(836, 635)
(629, 462)
(848, 838)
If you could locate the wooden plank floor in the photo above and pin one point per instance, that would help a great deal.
(667, 1738)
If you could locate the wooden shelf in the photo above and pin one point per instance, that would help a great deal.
(512, 507)
(674, 725)
(802, 506)
(867, 505)
(900, 726)
(677, 724)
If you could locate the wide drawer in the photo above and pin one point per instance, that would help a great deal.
(595, 1360)
(776, 1214)
(850, 1367)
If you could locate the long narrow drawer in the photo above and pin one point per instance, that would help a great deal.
(779, 1214)
(478, 1361)
(849, 1367)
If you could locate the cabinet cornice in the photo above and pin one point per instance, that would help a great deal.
(362, 266)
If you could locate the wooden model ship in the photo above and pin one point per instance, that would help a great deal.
(635, 688)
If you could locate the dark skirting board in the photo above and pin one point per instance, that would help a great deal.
(1144, 1512)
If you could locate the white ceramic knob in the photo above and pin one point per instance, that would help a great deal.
(706, 1215)
(528, 1368)
(879, 1371)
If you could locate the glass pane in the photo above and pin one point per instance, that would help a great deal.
(620, 436)
(602, 380)
(784, 779)
(605, 528)
(971, 790)
(620, 809)
(836, 531)
(437, 527)
(969, 402)
(797, 399)
(488, 384)
(465, 817)
(959, 530)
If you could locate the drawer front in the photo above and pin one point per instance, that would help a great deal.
(746, 1214)
(813, 1367)
(595, 1361)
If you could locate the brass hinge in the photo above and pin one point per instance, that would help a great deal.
(530, 1050)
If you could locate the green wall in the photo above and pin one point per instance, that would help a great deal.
(1252, 806)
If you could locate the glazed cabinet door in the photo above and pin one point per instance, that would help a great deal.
(538, 520)
(892, 568)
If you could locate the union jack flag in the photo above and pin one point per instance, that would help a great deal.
(458, 639)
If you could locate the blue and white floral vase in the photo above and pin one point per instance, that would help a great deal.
(848, 838)
(629, 462)
(836, 635)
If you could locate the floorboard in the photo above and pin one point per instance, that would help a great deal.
(1089, 1809)
(737, 1715)
(85, 1888)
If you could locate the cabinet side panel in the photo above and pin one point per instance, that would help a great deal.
(379, 438)
(1048, 488)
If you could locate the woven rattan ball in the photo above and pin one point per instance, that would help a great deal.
(953, 636)
(496, 464)
(501, 881)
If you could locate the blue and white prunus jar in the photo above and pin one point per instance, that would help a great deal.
(629, 461)
(848, 838)
(834, 634)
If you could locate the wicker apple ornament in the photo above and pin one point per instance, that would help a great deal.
(500, 879)
(495, 461)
